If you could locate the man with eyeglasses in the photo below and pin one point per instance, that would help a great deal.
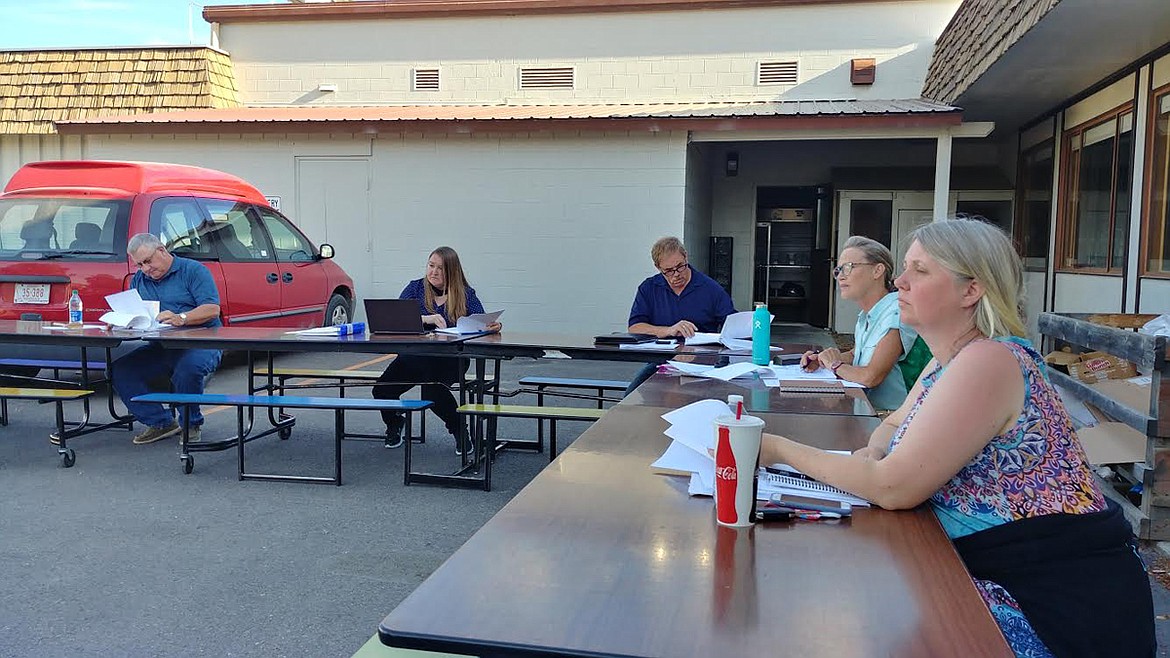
(678, 302)
(187, 297)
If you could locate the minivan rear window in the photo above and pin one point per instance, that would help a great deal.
(33, 228)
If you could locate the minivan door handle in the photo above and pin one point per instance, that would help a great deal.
(286, 277)
(271, 277)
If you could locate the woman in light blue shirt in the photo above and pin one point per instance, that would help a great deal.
(865, 276)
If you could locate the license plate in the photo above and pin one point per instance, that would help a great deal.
(31, 293)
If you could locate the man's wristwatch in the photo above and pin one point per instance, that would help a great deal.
(835, 367)
(183, 317)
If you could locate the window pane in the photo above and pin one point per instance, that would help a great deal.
(290, 244)
(176, 221)
(1090, 246)
(873, 219)
(1158, 245)
(32, 228)
(1122, 197)
(1035, 212)
(995, 212)
(236, 232)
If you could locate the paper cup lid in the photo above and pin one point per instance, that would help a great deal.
(744, 421)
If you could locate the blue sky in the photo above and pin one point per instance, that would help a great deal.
(82, 23)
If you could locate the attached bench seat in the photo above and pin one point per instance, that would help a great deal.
(542, 385)
(342, 377)
(57, 396)
(601, 385)
(551, 414)
(339, 406)
(53, 364)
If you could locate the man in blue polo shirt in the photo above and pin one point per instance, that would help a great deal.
(678, 302)
(187, 297)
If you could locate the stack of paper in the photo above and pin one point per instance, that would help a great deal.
(736, 333)
(693, 434)
(129, 311)
(476, 323)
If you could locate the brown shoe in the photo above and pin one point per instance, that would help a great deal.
(153, 434)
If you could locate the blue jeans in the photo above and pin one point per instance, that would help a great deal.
(188, 369)
(645, 373)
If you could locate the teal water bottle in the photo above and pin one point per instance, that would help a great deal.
(761, 335)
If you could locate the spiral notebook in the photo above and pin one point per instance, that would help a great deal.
(820, 386)
(770, 483)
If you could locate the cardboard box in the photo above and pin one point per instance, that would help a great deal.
(1094, 367)
(1062, 359)
(1111, 442)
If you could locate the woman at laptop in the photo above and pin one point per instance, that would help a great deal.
(443, 296)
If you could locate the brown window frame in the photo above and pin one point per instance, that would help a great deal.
(1069, 175)
(1021, 224)
(1148, 210)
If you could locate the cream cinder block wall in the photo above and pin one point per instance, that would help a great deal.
(555, 229)
(19, 150)
(619, 57)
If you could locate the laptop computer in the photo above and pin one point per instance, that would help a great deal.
(393, 316)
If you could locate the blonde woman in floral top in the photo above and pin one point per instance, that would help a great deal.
(985, 441)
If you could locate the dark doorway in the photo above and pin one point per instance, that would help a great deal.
(789, 265)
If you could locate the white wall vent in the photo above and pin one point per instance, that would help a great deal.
(546, 78)
(424, 80)
(777, 73)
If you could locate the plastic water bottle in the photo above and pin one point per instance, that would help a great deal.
(75, 308)
(761, 335)
(733, 402)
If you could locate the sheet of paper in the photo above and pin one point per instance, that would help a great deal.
(128, 309)
(738, 325)
(794, 371)
(702, 338)
(679, 457)
(472, 324)
(729, 372)
(689, 368)
(650, 347)
(692, 425)
(697, 487)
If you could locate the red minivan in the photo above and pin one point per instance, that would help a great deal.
(65, 225)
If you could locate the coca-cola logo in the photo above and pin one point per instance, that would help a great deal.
(725, 472)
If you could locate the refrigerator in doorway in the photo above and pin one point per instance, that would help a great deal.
(785, 241)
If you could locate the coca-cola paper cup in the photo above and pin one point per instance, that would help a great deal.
(737, 456)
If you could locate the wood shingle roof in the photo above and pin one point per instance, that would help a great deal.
(38, 87)
(980, 32)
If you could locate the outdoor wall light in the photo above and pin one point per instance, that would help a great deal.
(732, 167)
(326, 87)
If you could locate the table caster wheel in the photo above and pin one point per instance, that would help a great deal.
(68, 458)
(285, 432)
(188, 464)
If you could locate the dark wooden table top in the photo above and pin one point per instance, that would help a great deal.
(599, 556)
(39, 333)
(533, 344)
(676, 391)
(281, 340)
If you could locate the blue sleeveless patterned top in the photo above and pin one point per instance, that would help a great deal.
(1036, 467)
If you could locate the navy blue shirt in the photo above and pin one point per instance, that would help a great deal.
(186, 284)
(703, 302)
(415, 290)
